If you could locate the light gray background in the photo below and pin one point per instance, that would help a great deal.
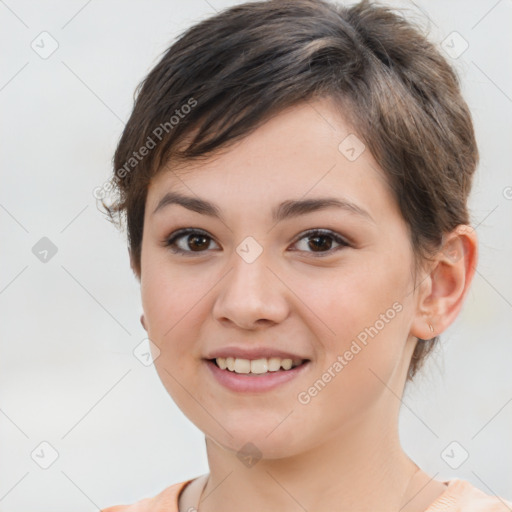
(68, 327)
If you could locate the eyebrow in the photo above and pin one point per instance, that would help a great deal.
(285, 210)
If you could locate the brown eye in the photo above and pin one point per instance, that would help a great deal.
(321, 241)
(197, 242)
(188, 241)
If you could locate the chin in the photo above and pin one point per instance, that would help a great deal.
(251, 444)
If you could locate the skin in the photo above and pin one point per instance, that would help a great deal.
(340, 451)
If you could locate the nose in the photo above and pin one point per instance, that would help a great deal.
(251, 296)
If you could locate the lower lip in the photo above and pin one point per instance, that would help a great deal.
(255, 383)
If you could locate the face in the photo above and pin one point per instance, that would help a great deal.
(342, 298)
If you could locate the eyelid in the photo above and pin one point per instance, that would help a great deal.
(180, 233)
(339, 239)
(323, 231)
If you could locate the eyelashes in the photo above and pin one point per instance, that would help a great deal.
(201, 240)
(192, 234)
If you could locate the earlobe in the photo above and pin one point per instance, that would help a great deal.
(449, 281)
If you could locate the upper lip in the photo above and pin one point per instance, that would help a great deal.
(252, 353)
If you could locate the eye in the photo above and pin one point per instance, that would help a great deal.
(189, 241)
(322, 239)
(194, 239)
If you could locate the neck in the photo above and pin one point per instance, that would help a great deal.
(364, 468)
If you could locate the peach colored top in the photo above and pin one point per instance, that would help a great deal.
(459, 496)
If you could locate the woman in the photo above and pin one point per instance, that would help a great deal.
(295, 177)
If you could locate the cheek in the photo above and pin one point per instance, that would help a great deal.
(355, 370)
(367, 314)
(348, 302)
(173, 307)
(167, 293)
(176, 304)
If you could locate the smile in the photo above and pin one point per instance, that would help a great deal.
(256, 366)
(240, 375)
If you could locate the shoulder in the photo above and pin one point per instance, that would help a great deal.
(463, 496)
(165, 501)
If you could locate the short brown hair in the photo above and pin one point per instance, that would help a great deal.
(228, 74)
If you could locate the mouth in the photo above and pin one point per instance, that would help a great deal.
(240, 377)
(256, 367)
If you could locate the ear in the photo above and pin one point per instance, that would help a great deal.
(443, 291)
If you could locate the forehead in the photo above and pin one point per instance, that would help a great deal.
(305, 151)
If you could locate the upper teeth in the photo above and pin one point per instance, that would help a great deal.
(263, 365)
